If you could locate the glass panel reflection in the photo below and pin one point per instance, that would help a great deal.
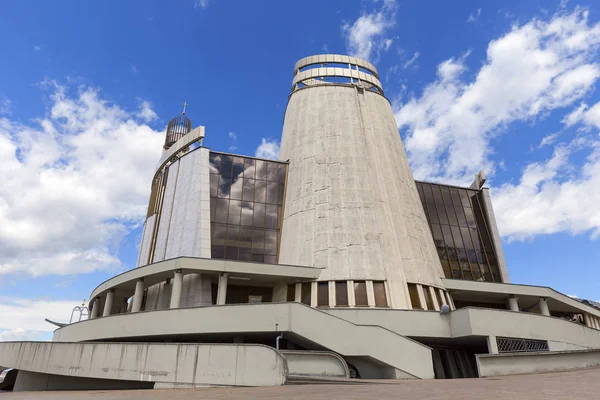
(246, 199)
(459, 229)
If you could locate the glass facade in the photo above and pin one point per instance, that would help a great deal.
(246, 200)
(460, 232)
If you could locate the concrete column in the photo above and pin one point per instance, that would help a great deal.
(544, 306)
(492, 345)
(313, 294)
(596, 322)
(495, 233)
(176, 289)
(95, 306)
(108, 303)
(298, 294)
(513, 303)
(138, 295)
(434, 298)
(450, 301)
(587, 319)
(443, 297)
(222, 290)
(422, 297)
(351, 296)
(370, 294)
(331, 289)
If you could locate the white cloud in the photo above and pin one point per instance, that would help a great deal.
(553, 195)
(233, 141)
(549, 139)
(589, 117)
(133, 68)
(268, 148)
(5, 106)
(575, 116)
(474, 17)
(412, 60)
(27, 316)
(367, 33)
(145, 111)
(531, 70)
(37, 48)
(203, 4)
(74, 182)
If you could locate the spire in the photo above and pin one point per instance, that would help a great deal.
(185, 104)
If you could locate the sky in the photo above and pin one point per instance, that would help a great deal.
(87, 88)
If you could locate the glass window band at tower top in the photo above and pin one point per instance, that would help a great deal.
(246, 207)
(460, 231)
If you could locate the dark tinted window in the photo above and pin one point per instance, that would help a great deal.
(460, 232)
(245, 207)
(414, 296)
(360, 294)
(380, 297)
(341, 294)
(323, 294)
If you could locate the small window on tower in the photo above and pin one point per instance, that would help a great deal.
(341, 294)
(360, 294)
(323, 294)
(380, 297)
(306, 293)
(414, 296)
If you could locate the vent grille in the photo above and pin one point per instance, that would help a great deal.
(512, 345)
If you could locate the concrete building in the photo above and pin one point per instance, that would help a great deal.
(331, 262)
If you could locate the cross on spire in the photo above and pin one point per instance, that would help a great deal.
(185, 104)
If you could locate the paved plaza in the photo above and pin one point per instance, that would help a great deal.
(582, 384)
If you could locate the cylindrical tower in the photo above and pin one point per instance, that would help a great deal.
(351, 205)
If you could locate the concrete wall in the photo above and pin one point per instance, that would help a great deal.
(189, 228)
(488, 322)
(404, 322)
(169, 365)
(315, 363)
(158, 296)
(196, 291)
(351, 201)
(530, 363)
(411, 359)
(560, 334)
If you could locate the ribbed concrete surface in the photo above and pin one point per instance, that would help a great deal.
(351, 202)
(584, 384)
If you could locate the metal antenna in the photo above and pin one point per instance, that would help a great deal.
(185, 104)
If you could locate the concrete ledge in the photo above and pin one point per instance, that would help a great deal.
(530, 363)
(159, 271)
(167, 365)
(315, 364)
(328, 331)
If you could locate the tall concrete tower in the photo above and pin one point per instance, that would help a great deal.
(352, 206)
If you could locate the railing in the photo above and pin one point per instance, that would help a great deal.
(513, 345)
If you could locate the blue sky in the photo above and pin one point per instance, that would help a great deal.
(86, 90)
